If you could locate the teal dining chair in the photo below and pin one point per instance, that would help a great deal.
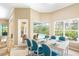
(61, 38)
(47, 52)
(35, 48)
(53, 37)
(28, 44)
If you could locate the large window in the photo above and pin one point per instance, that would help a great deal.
(41, 28)
(71, 29)
(59, 28)
(67, 28)
(3, 32)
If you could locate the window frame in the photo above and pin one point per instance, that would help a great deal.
(64, 29)
(41, 23)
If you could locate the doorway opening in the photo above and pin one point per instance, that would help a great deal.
(22, 29)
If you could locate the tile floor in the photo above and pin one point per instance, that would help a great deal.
(24, 52)
(70, 52)
(73, 53)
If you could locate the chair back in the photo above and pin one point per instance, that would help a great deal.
(46, 36)
(53, 37)
(28, 43)
(62, 38)
(46, 50)
(34, 45)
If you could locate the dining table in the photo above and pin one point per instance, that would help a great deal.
(60, 47)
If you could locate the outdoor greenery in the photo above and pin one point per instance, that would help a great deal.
(58, 33)
(72, 35)
(70, 30)
(3, 29)
(41, 28)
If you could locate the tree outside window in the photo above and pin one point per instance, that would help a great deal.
(67, 28)
(42, 28)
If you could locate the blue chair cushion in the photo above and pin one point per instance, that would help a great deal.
(54, 53)
(39, 51)
(62, 38)
(46, 50)
(28, 42)
(40, 48)
(53, 37)
(46, 36)
(34, 45)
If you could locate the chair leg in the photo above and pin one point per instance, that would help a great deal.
(67, 51)
(37, 51)
(28, 51)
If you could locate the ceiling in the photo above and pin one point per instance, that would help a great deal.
(5, 8)
(48, 7)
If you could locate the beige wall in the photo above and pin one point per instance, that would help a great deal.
(12, 25)
(22, 13)
(4, 21)
(46, 17)
(34, 15)
(66, 13)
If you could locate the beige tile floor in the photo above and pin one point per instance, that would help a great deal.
(73, 53)
(24, 52)
(70, 52)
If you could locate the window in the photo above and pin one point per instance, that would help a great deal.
(0, 30)
(71, 29)
(59, 28)
(41, 28)
(3, 32)
(67, 28)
